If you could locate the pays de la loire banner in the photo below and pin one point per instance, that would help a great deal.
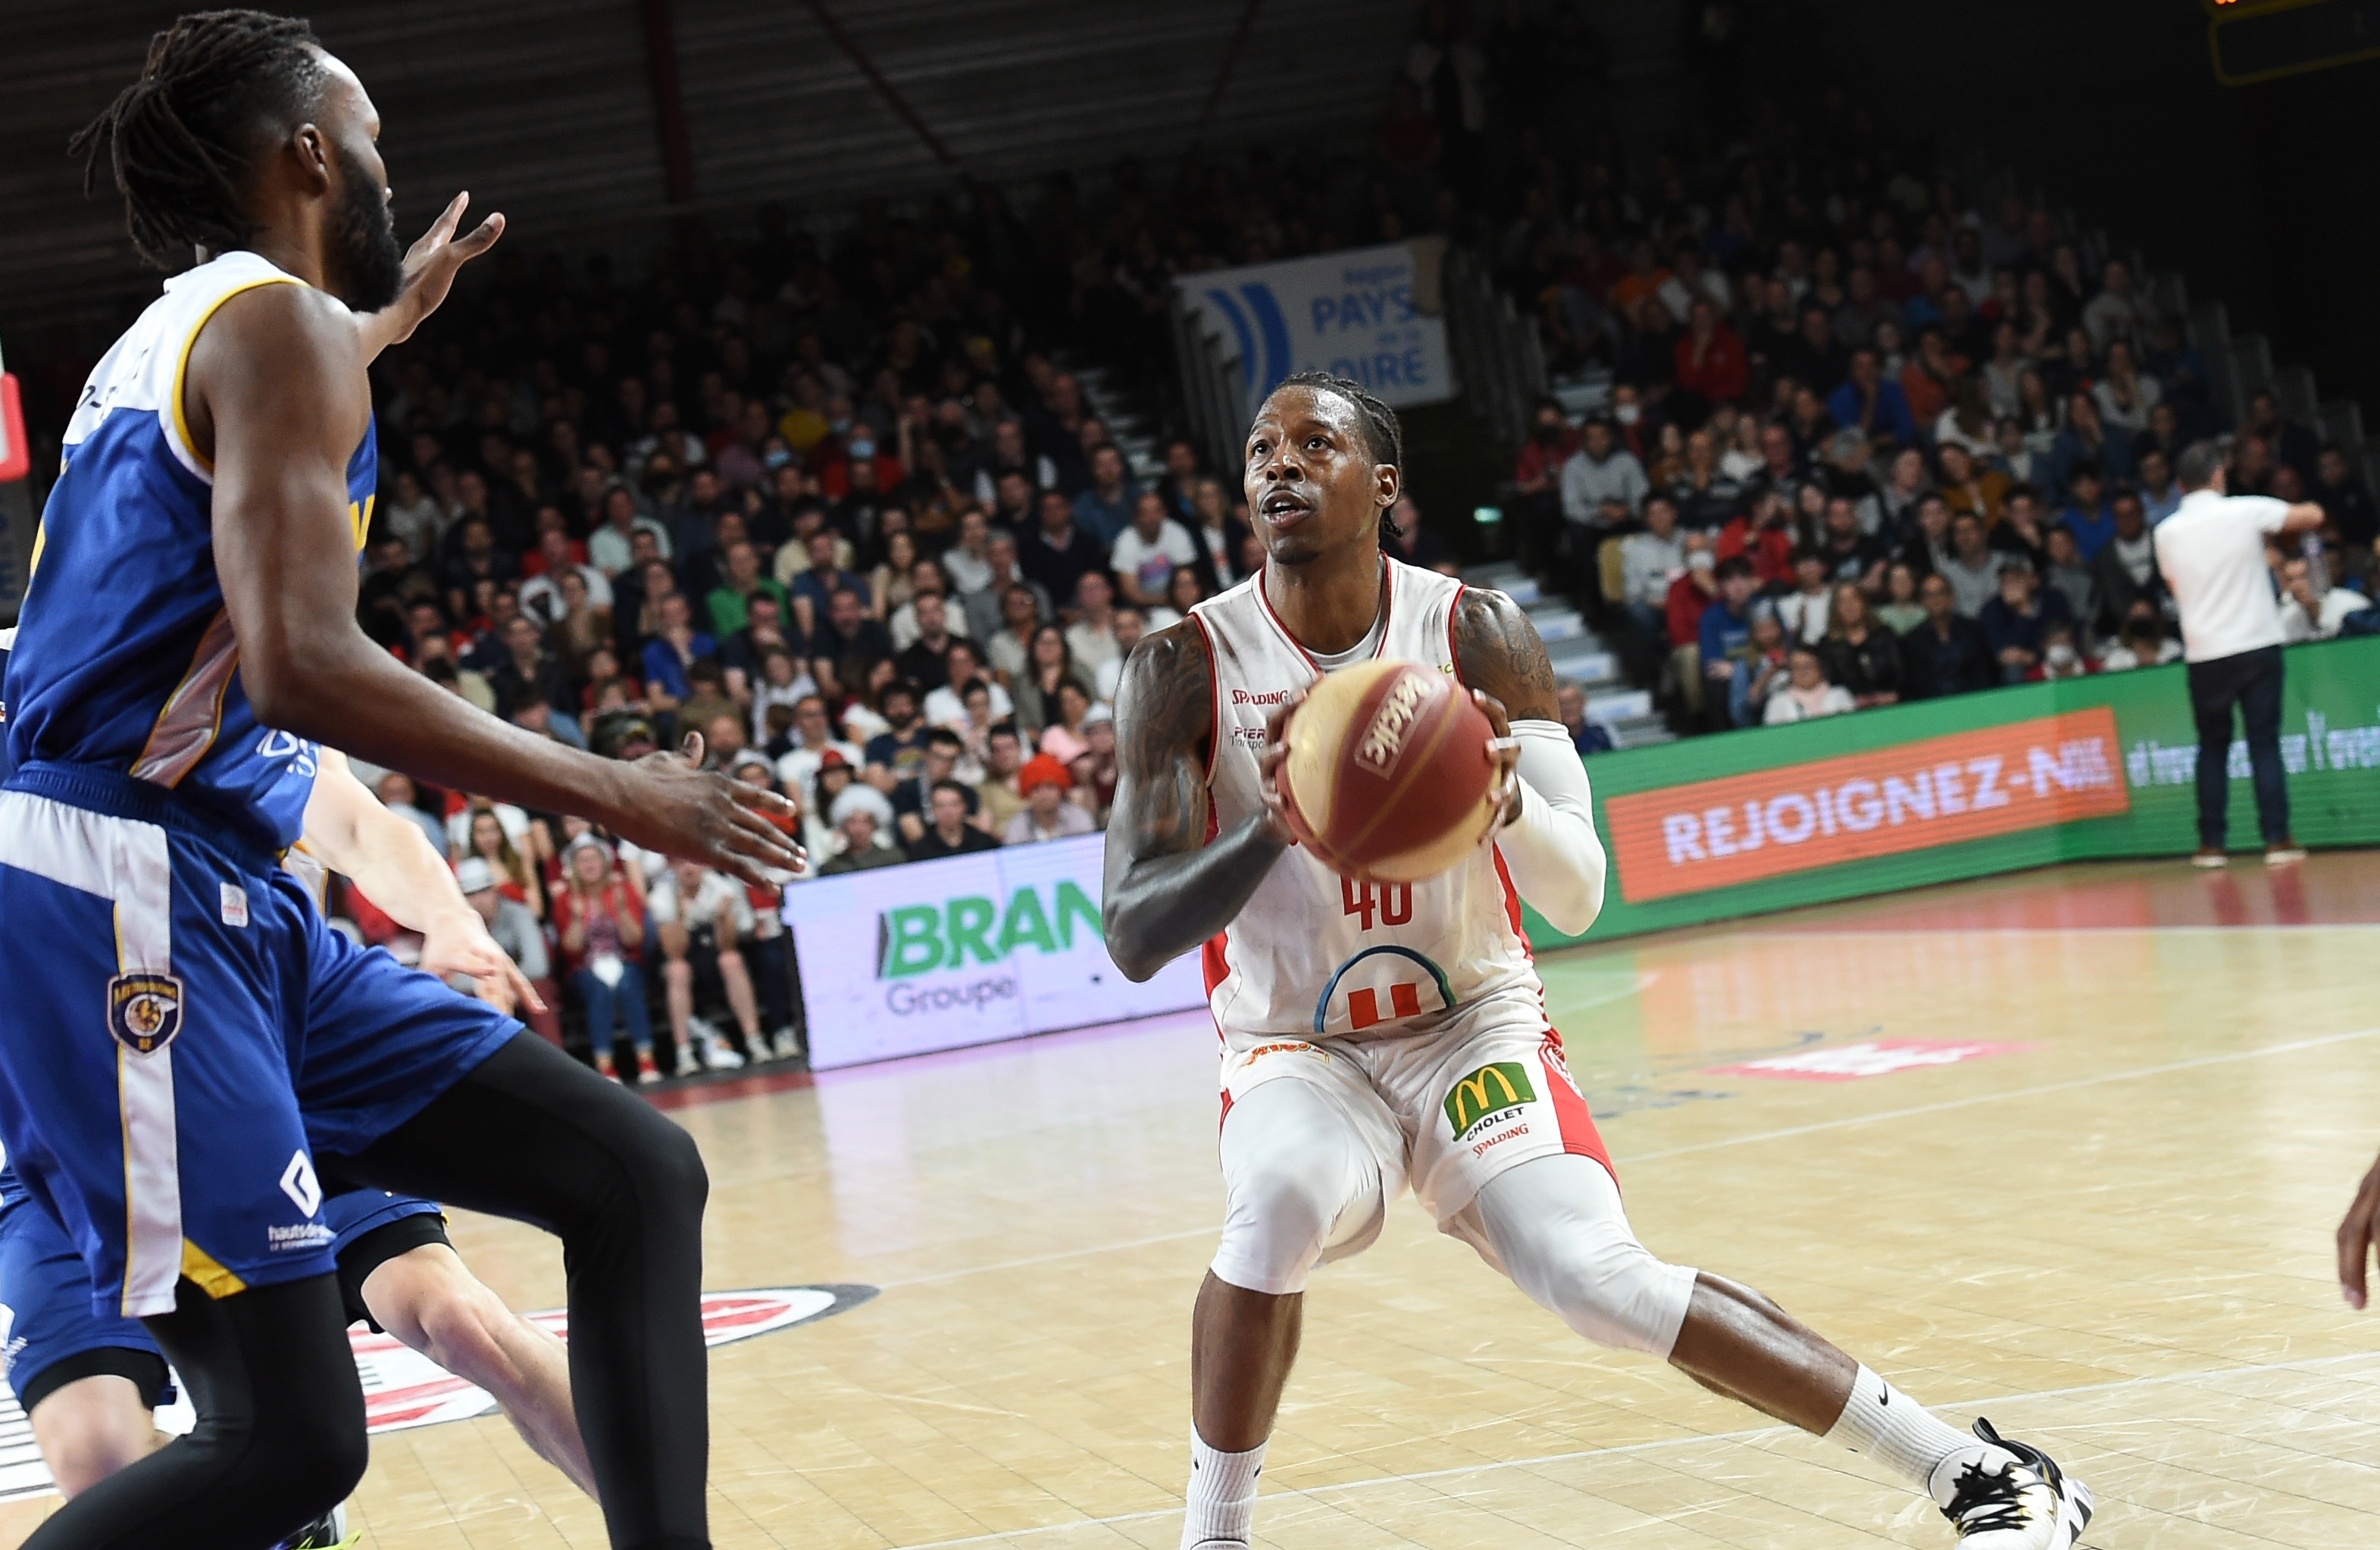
(1368, 313)
(965, 951)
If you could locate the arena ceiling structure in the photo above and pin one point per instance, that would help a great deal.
(591, 123)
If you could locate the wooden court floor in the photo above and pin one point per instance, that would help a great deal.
(2065, 1148)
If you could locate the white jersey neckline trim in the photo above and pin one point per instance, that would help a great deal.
(1377, 635)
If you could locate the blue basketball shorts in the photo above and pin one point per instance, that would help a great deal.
(181, 1033)
(46, 1309)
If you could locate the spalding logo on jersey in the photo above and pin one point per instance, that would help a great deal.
(145, 1010)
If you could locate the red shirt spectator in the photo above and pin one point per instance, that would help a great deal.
(614, 920)
(1769, 546)
(1711, 359)
(1551, 441)
(1689, 595)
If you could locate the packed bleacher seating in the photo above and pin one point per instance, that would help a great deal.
(1836, 430)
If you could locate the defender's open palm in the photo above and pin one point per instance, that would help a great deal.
(677, 808)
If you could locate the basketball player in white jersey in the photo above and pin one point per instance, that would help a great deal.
(1377, 1038)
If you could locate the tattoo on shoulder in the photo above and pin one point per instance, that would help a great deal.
(1165, 698)
(1501, 654)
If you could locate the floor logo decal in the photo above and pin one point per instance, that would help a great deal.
(404, 1390)
(1876, 1057)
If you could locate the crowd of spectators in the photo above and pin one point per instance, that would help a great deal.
(1859, 438)
(832, 505)
(828, 494)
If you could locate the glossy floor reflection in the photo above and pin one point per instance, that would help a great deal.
(2065, 1148)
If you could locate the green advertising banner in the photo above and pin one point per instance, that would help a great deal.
(1772, 818)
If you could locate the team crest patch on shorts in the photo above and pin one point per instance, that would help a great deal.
(145, 1010)
(1486, 1095)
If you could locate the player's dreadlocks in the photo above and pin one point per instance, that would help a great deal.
(1383, 437)
(178, 140)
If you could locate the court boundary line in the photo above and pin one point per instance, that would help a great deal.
(1309, 1493)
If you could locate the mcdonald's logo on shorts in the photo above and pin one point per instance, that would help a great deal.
(1488, 1091)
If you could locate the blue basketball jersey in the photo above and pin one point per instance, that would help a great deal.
(123, 656)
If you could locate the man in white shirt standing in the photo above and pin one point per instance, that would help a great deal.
(2211, 552)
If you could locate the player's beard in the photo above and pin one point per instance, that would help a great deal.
(367, 267)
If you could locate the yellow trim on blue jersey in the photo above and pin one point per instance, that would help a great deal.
(359, 513)
(40, 541)
(203, 1268)
(182, 366)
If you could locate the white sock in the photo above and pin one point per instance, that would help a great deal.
(1896, 1430)
(1222, 1493)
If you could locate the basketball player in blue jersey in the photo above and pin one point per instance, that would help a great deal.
(187, 1051)
(88, 1383)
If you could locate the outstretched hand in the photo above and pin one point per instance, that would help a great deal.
(457, 943)
(677, 808)
(430, 265)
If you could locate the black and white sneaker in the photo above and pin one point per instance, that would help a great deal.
(2010, 1496)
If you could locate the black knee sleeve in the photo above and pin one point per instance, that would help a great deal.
(280, 1434)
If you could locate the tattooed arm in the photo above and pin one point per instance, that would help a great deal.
(1170, 888)
(1548, 837)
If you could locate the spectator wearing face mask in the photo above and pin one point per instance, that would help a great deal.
(2060, 657)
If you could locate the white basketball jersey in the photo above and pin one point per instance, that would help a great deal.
(1314, 954)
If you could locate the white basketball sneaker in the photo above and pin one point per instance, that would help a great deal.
(2010, 1496)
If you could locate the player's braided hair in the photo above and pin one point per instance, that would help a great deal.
(179, 139)
(1383, 437)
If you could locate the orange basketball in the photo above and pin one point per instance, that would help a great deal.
(1388, 772)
